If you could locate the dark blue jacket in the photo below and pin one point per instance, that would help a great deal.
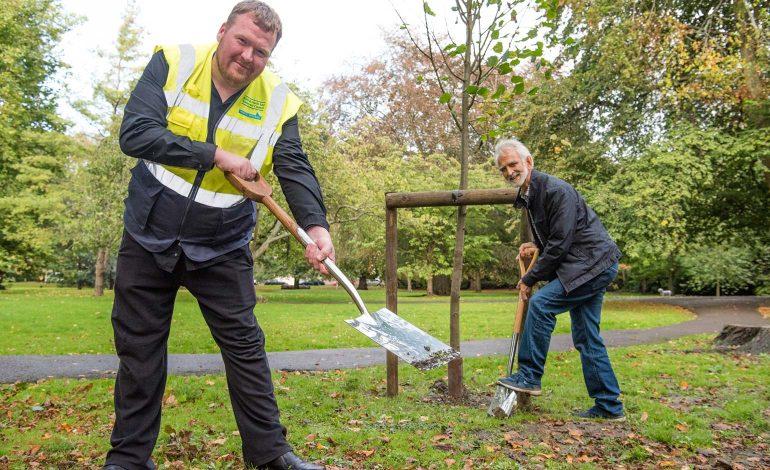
(574, 245)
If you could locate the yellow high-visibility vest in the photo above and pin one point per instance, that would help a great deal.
(250, 127)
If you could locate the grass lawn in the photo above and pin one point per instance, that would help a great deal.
(52, 320)
(687, 405)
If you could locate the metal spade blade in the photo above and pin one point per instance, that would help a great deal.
(403, 339)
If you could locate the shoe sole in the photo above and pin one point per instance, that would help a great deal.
(528, 391)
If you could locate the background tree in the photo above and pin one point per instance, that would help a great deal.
(101, 174)
(32, 149)
(723, 267)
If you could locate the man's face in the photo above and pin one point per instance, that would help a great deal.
(514, 170)
(243, 51)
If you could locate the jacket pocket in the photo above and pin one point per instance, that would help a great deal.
(236, 221)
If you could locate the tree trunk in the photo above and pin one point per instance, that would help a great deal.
(718, 286)
(643, 286)
(429, 283)
(296, 282)
(441, 284)
(362, 282)
(476, 281)
(409, 283)
(99, 268)
(455, 371)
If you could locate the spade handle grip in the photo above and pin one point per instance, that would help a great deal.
(521, 307)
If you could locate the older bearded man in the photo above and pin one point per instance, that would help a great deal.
(578, 260)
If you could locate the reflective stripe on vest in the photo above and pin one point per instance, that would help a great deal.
(239, 135)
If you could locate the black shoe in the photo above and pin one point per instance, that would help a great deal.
(596, 413)
(289, 461)
(516, 383)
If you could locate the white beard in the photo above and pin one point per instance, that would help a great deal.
(517, 183)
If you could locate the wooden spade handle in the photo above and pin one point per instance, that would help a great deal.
(258, 190)
(521, 307)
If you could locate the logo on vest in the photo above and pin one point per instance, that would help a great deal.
(256, 116)
(251, 103)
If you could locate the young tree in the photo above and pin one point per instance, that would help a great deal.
(494, 43)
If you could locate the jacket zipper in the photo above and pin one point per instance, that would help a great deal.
(534, 229)
(199, 176)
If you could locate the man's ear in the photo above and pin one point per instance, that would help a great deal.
(221, 31)
(529, 162)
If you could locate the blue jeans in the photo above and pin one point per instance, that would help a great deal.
(585, 309)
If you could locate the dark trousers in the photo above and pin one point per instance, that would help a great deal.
(141, 318)
(585, 310)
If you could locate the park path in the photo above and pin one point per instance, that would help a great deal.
(712, 314)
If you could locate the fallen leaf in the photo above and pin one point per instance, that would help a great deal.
(644, 416)
(171, 401)
(576, 433)
(439, 437)
(682, 427)
(449, 462)
(666, 463)
(684, 385)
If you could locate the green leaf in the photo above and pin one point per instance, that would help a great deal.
(483, 91)
(499, 91)
(492, 61)
(472, 89)
(427, 10)
(495, 33)
(460, 49)
(498, 47)
(533, 91)
(519, 88)
(517, 79)
(504, 68)
(445, 98)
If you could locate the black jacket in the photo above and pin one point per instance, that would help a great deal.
(574, 245)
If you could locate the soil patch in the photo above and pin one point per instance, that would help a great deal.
(438, 394)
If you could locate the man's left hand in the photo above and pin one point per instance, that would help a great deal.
(524, 291)
(321, 249)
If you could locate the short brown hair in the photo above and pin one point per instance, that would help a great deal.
(264, 16)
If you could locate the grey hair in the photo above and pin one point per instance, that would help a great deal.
(262, 15)
(521, 150)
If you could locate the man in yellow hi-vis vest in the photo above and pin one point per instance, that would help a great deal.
(197, 112)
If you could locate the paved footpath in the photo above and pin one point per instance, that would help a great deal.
(712, 314)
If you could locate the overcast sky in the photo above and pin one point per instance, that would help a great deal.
(320, 38)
